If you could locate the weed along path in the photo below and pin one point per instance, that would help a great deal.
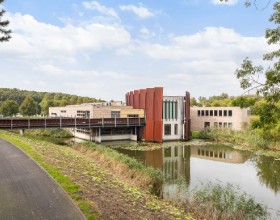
(97, 190)
(27, 192)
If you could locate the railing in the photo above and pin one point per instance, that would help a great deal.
(20, 123)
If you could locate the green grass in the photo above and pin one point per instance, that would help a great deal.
(132, 163)
(66, 183)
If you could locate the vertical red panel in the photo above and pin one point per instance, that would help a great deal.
(126, 99)
(131, 98)
(187, 116)
(158, 97)
(149, 131)
(136, 100)
(142, 97)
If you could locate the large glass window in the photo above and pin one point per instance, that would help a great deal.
(198, 113)
(211, 112)
(230, 113)
(167, 129)
(220, 112)
(176, 129)
(170, 110)
(207, 113)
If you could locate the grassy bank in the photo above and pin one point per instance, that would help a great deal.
(87, 174)
(53, 132)
(246, 139)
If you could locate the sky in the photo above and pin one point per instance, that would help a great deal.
(103, 49)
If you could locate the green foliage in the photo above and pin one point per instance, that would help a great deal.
(44, 99)
(3, 24)
(226, 202)
(9, 108)
(51, 132)
(29, 107)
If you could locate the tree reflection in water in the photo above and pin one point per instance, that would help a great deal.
(268, 171)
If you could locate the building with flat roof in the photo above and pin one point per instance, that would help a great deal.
(167, 117)
(219, 117)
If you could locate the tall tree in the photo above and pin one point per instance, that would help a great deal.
(3, 24)
(28, 107)
(9, 108)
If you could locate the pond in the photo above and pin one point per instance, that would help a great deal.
(256, 175)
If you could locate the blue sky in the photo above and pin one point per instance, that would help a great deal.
(103, 49)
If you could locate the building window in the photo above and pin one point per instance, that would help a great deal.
(176, 129)
(167, 129)
(176, 110)
(131, 116)
(202, 112)
(163, 110)
(230, 125)
(83, 114)
(206, 124)
(230, 113)
(211, 112)
(198, 113)
(115, 114)
(215, 112)
(220, 112)
(225, 124)
(220, 124)
(63, 111)
(207, 113)
(225, 112)
(215, 124)
(167, 152)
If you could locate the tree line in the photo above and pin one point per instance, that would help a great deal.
(29, 103)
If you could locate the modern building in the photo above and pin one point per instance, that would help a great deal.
(106, 111)
(167, 117)
(219, 117)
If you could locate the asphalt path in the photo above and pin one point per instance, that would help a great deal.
(27, 192)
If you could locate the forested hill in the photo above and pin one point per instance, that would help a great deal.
(43, 100)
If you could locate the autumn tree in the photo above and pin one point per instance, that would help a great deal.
(9, 108)
(5, 34)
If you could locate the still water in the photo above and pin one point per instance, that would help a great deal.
(256, 175)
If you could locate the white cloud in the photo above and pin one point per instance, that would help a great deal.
(224, 2)
(36, 40)
(216, 43)
(103, 60)
(94, 5)
(139, 11)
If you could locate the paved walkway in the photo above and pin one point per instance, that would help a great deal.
(27, 192)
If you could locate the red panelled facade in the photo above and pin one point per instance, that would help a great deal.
(150, 100)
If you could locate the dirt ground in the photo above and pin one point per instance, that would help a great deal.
(110, 196)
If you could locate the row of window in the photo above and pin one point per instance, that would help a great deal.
(214, 113)
(218, 124)
(170, 110)
(215, 154)
(167, 129)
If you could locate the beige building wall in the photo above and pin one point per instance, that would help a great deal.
(231, 117)
(95, 111)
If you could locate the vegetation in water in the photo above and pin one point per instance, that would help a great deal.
(215, 201)
(246, 138)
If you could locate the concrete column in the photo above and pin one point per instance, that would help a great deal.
(21, 132)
